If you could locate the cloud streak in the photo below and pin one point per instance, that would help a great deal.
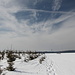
(39, 35)
(56, 5)
(60, 12)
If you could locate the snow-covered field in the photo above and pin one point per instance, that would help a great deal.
(54, 64)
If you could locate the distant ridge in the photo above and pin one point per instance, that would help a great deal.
(65, 51)
(41, 51)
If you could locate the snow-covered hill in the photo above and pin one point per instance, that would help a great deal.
(54, 64)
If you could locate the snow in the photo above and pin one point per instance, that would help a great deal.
(64, 64)
(54, 64)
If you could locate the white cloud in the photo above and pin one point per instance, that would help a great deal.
(22, 36)
(47, 11)
(56, 5)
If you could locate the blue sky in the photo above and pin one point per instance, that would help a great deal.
(37, 24)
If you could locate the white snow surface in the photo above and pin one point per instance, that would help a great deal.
(54, 64)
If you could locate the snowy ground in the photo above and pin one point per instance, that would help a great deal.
(54, 64)
(63, 64)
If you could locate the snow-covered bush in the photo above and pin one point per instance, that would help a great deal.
(3, 53)
(31, 55)
(10, 60)
(16, 56)
(0, 71)
(41, 59)
(0, 57)
(10, 67)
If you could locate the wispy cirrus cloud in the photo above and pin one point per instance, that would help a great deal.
(14, 25)
(47, 11)
(56, 5)
(47, 33)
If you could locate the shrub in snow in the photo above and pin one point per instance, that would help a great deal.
(10, 60)
(41, 59)
(33, 56)
(10, 67)
(0, 57)
(19, 53)
(0, 71)
(30, 56)
(3, 53)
